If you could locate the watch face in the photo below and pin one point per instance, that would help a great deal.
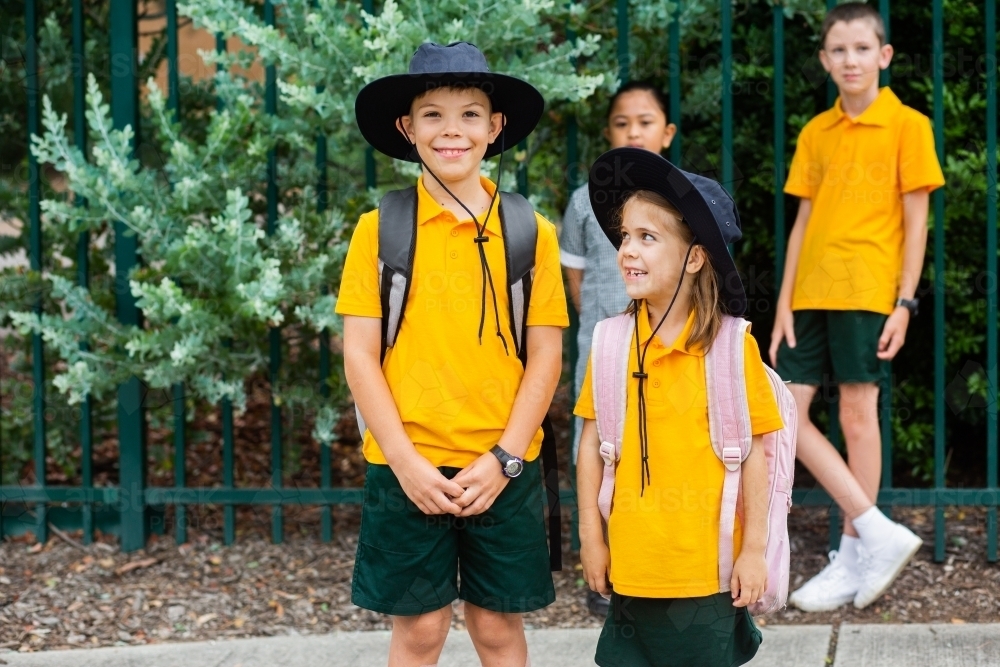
(514, 468)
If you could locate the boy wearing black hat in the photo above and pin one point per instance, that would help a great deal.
(451, 417)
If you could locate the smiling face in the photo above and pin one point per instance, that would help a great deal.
(651, 256)
(637, 120)
(452, 128)
(854, 56)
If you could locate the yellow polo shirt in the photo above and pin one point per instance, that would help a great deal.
(454, 395)
(855, 171)
(665, 542)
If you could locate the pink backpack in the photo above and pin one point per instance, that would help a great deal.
(729, 426)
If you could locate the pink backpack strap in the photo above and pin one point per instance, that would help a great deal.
(729, 426)
(609, 374)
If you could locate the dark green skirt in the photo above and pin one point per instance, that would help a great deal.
(677, 632)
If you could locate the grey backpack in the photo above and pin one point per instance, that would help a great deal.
(397, 216)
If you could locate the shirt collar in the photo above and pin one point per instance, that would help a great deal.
(678, 345)
(879, 113)
(428, 208)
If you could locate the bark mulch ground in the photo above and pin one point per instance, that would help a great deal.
(62, 595)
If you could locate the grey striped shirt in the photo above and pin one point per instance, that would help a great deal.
(583, 245)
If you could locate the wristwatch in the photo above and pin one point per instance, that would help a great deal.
(510, 465)
(909, 304)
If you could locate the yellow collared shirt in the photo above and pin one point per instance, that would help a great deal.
(454, 395)
(855, 171)
(665, 542)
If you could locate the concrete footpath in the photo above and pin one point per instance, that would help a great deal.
(784, 646)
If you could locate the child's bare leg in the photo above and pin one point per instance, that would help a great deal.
(417, 641)
(498, 637)
(823, 460)
(859, 423)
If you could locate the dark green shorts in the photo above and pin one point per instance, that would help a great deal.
(409, 563)
(833, 345)
(677, 632)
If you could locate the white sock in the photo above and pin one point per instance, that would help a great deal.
(848, 552)
(874, 528)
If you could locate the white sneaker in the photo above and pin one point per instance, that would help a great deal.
(836, 585)
(880, 567)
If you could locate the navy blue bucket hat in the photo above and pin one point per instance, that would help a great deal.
(383, 101)
(704, 204)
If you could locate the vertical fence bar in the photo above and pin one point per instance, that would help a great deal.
(277, 459)
(885, 392)
(228, 471)
(131, 420)
(228, 444)
(326, 471)
(939, 284)
(991, 274)
(83, 267)
(831, 87)
(885, 76)
(371, 176)
(727, 96)
(179, 399)
(778, 18)
(623, 30)
(674, 60)
(35, 253)
(572, 182)
(522, 170)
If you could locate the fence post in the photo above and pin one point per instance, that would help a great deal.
(674, 60)
(778, 18)
(939, 284)
(35, 253)
(131, 418)
(277, 458)
(624, 61)
(991, 275)
(83, 266)
(727, 99)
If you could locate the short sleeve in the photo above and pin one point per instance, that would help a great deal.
(804, 174)
(764, 414)
(548, 298)
(573, 237)
(918, 163)
(585, 404)
(359, 288)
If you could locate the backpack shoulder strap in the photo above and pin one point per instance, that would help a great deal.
(729, 426)
(397, 236)
(520, 237)
(609, 374)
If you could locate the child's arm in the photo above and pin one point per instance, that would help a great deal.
(483, 479)
(750, 570)
(574, 279)
(915, 205)
(594, 554)
(784, 324)
(424, 484)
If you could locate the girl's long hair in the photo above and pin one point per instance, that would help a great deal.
(704, 285)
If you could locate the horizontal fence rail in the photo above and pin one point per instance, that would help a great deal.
(133, 499)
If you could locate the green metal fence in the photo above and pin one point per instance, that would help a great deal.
(133, 497)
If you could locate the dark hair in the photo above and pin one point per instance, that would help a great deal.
(852, 11)
(661, 100)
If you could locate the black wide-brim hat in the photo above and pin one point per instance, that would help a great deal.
(383, 101)
(704, 204)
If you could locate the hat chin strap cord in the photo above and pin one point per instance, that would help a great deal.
(641, 375)
(480, 239)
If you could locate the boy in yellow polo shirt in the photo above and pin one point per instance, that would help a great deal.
(863, 171)
(453, 409)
